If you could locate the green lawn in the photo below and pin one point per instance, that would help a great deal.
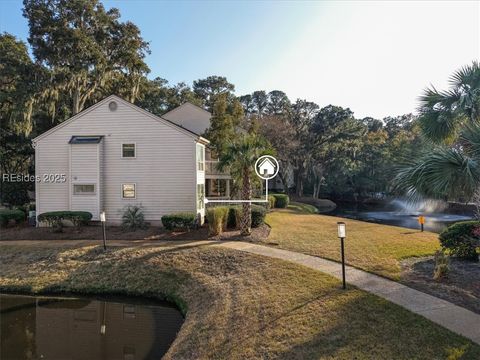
(372, 247)
(238, 305)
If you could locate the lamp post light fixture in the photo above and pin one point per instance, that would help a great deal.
(342, 232)
(103, 219)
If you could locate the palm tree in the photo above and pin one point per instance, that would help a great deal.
(451, 121)
(239, 157)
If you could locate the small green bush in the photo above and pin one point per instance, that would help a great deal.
(6, 215)
(179, 221)
(235, 212)
(281, 200)
(55, 219)
(217, 219)
(258, 215)
(232, 217)
(462, 239)
(133, 218)
(271, 202)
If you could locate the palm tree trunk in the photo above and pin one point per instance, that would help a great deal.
(246, 219)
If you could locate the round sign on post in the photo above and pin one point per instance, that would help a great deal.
(266, 167)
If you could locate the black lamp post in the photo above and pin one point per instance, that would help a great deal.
(103, 219)
(341, 234)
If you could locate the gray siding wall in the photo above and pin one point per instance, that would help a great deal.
(164, 169)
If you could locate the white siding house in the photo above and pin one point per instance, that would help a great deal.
(115, 154)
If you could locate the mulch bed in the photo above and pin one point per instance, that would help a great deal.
(461, 287)
(258, 234)
(93, 232)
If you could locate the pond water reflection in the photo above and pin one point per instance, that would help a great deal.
(85, 328)
(436, 218)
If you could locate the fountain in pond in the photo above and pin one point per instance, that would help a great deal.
(404, 213)
(426, 206)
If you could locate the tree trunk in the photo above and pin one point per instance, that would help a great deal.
(283, 178)
(246, 218)
(299, 183)
(76, 101)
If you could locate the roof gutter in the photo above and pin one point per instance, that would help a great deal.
(203, 141)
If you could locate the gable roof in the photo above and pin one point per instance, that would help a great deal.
(162, 120)
(187, 104)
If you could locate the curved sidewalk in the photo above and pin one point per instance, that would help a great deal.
(444, 313)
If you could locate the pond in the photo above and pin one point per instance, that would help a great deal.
(402, 213)
(85, 328)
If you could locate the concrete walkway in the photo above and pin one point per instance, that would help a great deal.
(444, 313)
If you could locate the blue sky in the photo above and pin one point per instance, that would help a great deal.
(374, 57)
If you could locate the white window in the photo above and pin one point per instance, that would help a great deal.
(200, 158)
(128, 191)
(84, 189)
(128, 150)
(200, 196)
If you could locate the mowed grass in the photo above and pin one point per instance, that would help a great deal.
(372, 247)
(238, 305)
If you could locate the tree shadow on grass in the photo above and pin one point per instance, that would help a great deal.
(368, 327)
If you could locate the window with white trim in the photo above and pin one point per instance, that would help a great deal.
(128, 150)
(128, 191)
(200, 158)
(83, 189)
(200, 196)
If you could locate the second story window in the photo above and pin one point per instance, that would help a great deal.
(128, 150)
(200, 158)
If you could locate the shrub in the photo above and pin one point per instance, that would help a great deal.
(133, 218)
(462, 239)
(271, 201)
(281, 200)
(232, 217)
(442, 266)
(55, 219)
(235, 212)
(258, 215)
(15, 193)
(180, 221)
(6, 215)
(217, 219)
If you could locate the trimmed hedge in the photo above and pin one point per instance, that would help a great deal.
(55, 218)
(462, 239)
(232, 217)
(180, 221)
(271, 202)
(6, 215)
(217, 219)
(281, 200)
(258, 216)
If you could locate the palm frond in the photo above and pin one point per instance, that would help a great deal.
(439, 126)
(470, 140)
(468, 75)
(444, 173)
